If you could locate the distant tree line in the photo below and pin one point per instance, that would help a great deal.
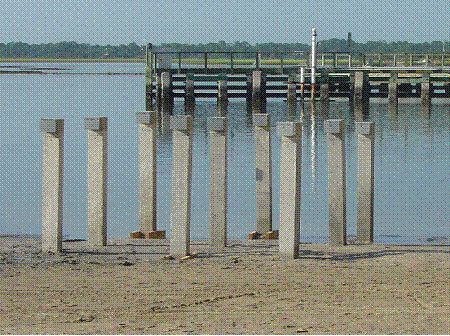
(132, 50)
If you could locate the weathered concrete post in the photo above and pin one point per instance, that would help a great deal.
(259, 92)
(393, 94)
(166, 93)
(425, 93)
(290, 187)
(334, 128)
(364, 217)
(158, 94)
(222, 97)
(249, 92)
(263, 165)
(325, 96)
(292, 97)
(52, 183)
(180, 211)
(97, 128)
(217, 129)
(189, 100)
(361, 95)
(147, 174)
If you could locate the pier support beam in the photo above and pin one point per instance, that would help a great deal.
(364, 211)
(97, 128)
(217, 129)
(52, 184)
(259, 92)
(425, 94)
(290, 188)
(189, 100)
(393, 94)
(147, 170)
(166, 93)
(361, 94)
(222, 98)
(180, 211)
(335, 130)
(263, 165)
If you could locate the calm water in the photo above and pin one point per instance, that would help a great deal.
(412, 160)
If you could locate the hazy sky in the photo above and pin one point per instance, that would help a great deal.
(195, 21)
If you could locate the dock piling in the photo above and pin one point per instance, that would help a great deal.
(258, 92)
(222, 97)
(189, 101)
(361, 94)
(292, 98)
(166, 93)
(425, 93)
(393, 94)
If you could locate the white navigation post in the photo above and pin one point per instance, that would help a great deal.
(313, 61)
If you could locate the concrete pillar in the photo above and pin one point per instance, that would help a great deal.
(259, 92)
(189, 100)
(217, 129)
(425, 93)
(361, 93)
(97, 128)
(364, 218)
(290, 187)
(158, 94)
(166, 93)
(180, 211)
(52, 183)
(393, 94)
(335, 130)
(147, 170)
(222, 98)
(325, 98)
(263, 165)
(148, 89)
(292, 98)
(248, 97)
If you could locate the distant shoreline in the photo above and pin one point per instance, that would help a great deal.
(72, 60)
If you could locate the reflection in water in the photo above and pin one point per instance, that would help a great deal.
(313, 153)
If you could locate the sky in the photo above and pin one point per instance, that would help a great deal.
(194, 21)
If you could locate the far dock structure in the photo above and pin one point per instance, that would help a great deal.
(348, 75)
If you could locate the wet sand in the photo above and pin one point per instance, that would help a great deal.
(126, 288)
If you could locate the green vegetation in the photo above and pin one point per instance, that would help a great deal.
(73, 51)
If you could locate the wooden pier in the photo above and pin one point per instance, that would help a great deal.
(393, 76)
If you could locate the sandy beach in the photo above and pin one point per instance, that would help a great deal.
(127, 288)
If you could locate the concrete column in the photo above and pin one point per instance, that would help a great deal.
(425, 93)
(52, 184)
(189, 100)
(334, 128)
(97, 128)
(393, 94)
(248, 97)
(259, 92)
(325, 98)
(290, 187)
(361, 94)
(158, 101)
(148, 89)
(292, 98)
(364, 218)
(263, 165)
(180, 211)
(166, 93)
(217, 129)
(147, 170)
(222, 98)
